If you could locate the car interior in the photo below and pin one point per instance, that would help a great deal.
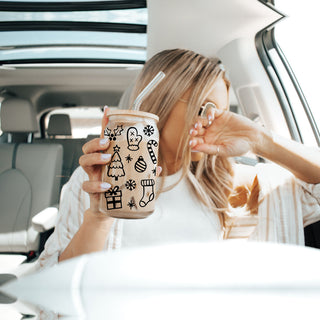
(53, 69)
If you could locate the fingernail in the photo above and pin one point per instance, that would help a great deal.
(105, 108)
(103, 141)
(190, 143)
(105, 185)
(105, 156)
(210, 118)
(191, 131)
(196, 125)
(159, 170)
(209, 123)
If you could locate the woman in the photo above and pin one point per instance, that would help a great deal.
(199, 184)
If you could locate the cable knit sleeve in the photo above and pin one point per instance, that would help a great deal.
(73, 202)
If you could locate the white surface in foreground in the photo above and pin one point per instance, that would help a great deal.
(230, 279)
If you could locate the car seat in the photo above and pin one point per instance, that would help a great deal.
(29, 181)
(60, 126)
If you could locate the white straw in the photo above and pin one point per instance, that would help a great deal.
(152, 84)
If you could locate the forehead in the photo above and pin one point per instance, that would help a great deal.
(219, 94)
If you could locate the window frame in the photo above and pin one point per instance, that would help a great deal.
(265, 41)
(44, 6)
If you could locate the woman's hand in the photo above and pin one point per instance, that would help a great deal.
(92, 161)
(225, 133)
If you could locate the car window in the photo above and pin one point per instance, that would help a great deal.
(300, 52)
(78, 31)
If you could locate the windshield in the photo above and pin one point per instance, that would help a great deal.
(109, 35)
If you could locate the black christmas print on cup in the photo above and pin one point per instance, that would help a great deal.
(134, 142)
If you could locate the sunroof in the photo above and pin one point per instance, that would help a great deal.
(104, 31)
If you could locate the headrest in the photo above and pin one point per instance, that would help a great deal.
(59, 125)
(125, 98)
(18, 115)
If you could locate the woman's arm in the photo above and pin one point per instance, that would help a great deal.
(302, 161)
(91, 236)
(230, 135)
(95, 228)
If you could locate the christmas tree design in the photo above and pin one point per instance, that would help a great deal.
(115, 168)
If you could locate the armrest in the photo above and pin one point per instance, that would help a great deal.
(45, 219)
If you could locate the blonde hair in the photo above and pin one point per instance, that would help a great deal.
(212, 177)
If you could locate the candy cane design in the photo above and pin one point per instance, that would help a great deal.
(151, 152)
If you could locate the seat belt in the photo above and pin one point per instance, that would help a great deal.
(14, 155)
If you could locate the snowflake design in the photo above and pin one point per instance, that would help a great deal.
(148, 130)
(131, 184)
(131, 204)
(129, 158)
(154, 171)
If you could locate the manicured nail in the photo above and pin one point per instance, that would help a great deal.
(191, 131)
(191, 143)
(159, 170)
(104, 141)
(105, 156)
(105, 185)
(105, 108)
(196, 125)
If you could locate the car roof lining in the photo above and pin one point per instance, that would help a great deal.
(68, 86)
(233, 18)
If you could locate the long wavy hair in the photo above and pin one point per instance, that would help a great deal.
(211, 178)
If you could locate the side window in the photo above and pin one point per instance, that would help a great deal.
(290, 54)
(84, 121)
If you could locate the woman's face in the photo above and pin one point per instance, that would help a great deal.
(174, 128)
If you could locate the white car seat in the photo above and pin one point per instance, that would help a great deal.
(29, 181)
(60, 125)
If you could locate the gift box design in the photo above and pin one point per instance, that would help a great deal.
(113, 198)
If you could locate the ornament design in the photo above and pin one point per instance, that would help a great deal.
(140, 165)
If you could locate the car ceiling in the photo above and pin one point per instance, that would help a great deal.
(59, 85)
(206, 27)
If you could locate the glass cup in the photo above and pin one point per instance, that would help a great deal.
(134, 142)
